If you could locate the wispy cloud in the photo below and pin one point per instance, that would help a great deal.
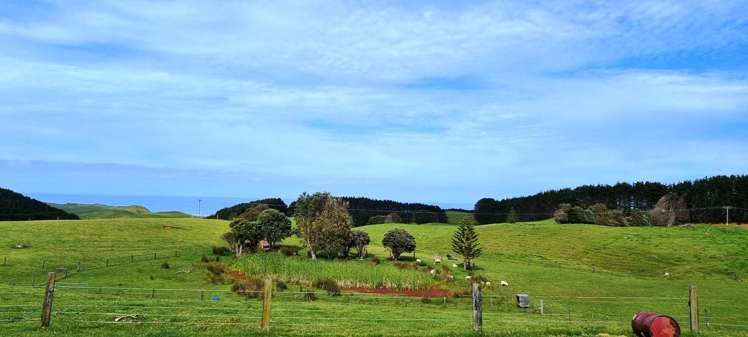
(450, 101)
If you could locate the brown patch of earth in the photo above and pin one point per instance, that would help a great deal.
(433, 292)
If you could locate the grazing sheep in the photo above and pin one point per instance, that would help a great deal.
(488, 284)
(504, 283)
(454, 265)
(468, 277)
(437, 259)
(432, 271)
(418, 260)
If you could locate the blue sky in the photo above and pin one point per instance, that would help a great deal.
(434, 101)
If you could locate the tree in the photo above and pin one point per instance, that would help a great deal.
(253, 212)
(399, 241)
(360, 240)
(465, 243)
(600, 213)
(273, 225)
(243, 235)
(512, 217)
(324, 223)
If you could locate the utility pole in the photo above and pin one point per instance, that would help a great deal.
(727, 215)
(199, 206)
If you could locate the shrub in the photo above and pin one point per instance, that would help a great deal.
(290, 250)
(375, 260)
(221, 251)
(329, 285)
(280, 285)
(310, 296)
(639, 218)
(616, 218)
(205, 259)
(425, 300)
(165, 265)
(249, 287)
(359, 240)
(399, 241)
(216, 272)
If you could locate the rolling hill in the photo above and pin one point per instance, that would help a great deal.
(592, 278)
(99, 211)
(16, 206)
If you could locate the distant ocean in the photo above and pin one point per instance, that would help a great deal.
(189, 205)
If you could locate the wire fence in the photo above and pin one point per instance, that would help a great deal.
(79, 305)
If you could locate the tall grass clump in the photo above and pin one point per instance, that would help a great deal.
(348, 274)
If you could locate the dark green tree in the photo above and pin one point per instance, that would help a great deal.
(273, 225)
(512, 217)
(359, 240)
(465, 243)
(399, 241)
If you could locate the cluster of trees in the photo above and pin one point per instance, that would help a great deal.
(16, 206)
(323, 224)
(364, 211)
(230, 213)
(704, 198)
(669, 210)
(256, 224)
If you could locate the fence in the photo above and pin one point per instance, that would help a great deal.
(290, 309)
(38, 270)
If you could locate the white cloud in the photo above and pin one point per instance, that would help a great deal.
(461, 96)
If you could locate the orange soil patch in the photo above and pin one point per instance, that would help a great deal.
(433, 292)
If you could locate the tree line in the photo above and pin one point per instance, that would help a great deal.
(704, 199)
(366, 211)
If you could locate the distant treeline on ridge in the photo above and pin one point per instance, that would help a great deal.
(16, 206)
(232, 212)
(704, 198)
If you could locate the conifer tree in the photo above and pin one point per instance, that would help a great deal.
(465, 243)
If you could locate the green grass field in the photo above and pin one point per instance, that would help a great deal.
(590, 278)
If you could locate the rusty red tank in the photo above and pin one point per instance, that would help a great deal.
(650, 324)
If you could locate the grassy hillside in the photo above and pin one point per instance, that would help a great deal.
(591, 279)
(99, 211)
(458, 217)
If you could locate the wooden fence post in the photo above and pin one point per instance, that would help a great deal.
(542, 307)
(154, 256)
(5, 261)
(693, 304)
(153, 292)
(477, 310)
(267, 298)
(48, 297)
(132, 258)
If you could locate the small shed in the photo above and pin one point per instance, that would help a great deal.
(523, 301)
(263, 245)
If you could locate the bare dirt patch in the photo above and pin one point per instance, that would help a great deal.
(433, 292)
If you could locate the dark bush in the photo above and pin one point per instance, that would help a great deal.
(329, 285)
(165, 265)
(399, 241)
(375, 260)
(250, 287)
(221, 251)
(290, 250)
(280, 285)
(310, 296)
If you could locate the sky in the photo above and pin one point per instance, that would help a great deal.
(432, 101)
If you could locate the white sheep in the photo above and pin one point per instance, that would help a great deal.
(488, 284)
(504, 283)
(454, 265)
(468, 277)
(418, 260)
(432, 271)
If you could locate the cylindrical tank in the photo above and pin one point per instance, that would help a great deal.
(650, 324)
